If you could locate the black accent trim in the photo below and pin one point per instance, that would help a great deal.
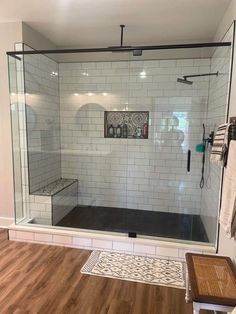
(121, 49)
(189, 160)
(132, 235)
(122, 26)
(16, 57)
(204, 74)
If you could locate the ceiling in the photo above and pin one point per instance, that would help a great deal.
(94, 23)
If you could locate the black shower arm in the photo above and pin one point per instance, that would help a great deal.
(204, 74)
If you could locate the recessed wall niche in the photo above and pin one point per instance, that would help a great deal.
(126, 124)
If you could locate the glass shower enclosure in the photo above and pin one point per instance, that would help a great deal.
(113, 142)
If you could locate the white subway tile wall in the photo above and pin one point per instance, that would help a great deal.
(146, 174)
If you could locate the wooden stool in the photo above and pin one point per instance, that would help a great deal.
(213, 282)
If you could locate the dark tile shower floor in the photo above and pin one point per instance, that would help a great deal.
(142, 222)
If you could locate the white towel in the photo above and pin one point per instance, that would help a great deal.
(228, 205)
(220, 145)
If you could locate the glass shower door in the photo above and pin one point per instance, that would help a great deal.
(166, 196)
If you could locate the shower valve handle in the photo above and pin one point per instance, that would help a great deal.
(189, 160)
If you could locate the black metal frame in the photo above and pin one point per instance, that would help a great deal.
(120, 49)
(122, 26)
(198, 75)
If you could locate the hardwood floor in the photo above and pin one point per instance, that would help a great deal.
(43, 279)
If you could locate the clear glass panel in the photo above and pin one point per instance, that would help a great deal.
(216, 114)
(42, 120)
(137, 182)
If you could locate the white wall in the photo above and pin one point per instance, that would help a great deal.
(227, 20)
(34, 39)
(228, 246)
(9, 34)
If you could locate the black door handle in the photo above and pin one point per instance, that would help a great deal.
(189, 160)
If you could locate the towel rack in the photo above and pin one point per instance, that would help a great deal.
(232, 129)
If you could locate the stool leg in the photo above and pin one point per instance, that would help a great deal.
(187, 299)
(196, 308)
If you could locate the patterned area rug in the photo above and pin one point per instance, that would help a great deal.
(150, 270)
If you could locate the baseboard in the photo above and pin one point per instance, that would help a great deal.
(5, 222)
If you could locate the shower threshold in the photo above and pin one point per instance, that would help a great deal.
(141, 222)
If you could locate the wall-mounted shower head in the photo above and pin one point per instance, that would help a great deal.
(184, 81)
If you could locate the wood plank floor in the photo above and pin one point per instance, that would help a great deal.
(43, 279)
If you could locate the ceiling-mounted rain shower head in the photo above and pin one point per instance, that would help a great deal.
(184, 81)
(122, 26)
(136, 52)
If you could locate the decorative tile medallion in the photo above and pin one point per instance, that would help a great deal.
(126, 124)
(150, 270)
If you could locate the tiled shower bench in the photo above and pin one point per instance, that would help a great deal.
(52, 202)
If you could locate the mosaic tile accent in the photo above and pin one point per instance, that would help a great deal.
(54, 187)
(126, 124)
(150, 270)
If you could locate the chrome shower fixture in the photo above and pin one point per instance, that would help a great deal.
(185, 80)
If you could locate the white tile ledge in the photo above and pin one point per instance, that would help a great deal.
(161, 246)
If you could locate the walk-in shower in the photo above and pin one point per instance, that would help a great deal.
(101, 140)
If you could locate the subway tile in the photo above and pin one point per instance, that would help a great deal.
(123, 246)
(167, 251)
(80, 241)
(43, 237)
(182, 252)
(147, 249)
(12, 234)
(24, 235)
(102, 244)
(60, 239)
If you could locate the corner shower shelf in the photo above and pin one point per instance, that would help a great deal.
(54, 201)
